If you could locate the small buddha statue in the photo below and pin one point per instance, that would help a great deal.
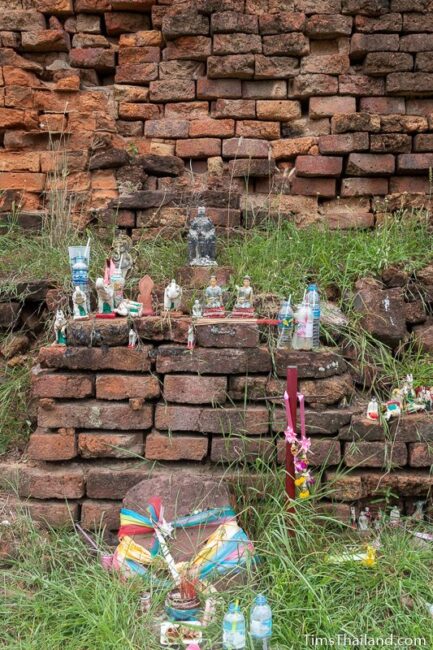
(245, 294)
(197, 311)
(213, 294)
(202, 240)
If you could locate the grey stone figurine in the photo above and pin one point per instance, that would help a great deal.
(202, 240)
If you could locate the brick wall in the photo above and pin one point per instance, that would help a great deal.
(310, 100)
(215, 410)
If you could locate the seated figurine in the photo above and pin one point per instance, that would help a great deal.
(197, 311)
(244, 301)
(60, 324)
(79, 300)
(105, 299)
(213, 300)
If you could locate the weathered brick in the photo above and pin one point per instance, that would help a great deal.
(95, 414)
(198, 148)
(393, 142)
(415, 163)
(345, 143)
(306, 85)
(325, 64)
(361, 428)
(264, 89)
(218, 88)
(422, 142)
(349, 220)
(251, 168)
(187, 110)
(54, 7)
(291, 44)
(234, 108)
(364, 164)
(212, 361)
(274, 109)
(311, 365)
(415, 43)
(361, 85)
(120, 22)
(323, 422)
(166, 128)
(403, 123)
(424, 61)
(252, 420)
(417, 22)
(355, 122)
(174, 448)
(22, 20)
(196, 48)
(184, 20)
(252, 128)
(345, 487)
(55, 514)
(114, 481)
(109, 444)
(375, 454)
(181, 69)
(420, 454)
(132, 111)
(318, 166)
(238, 147)
(328, 26)
(209, 127)
(49, 40)
(118, 387)
(236, 66)
(280, 23)
(236, 44)
(290, 148)
(20, 180)
(139, 55)
(51, 482)
(275, 67)
(242, 450)
(62, 385)
(327, 391)
(193, 389)
(101, 59)
(366, 7)
(407, 185)
(381, 63)
(19, 161)
(323, 187)
(175, 90)
(409, 83)
(364, 186)
(99, 514)
(382, 105)
(318, 6)
(323, 452)
(137, 74)
(362, 44)
(132, 5)
(231, 21)
(328, 106)
(391, 22)
(53, 446)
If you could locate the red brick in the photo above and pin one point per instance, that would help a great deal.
(50, 40)
(349, 220)
(137, 74)
(424, 61)
(132, 5)
(165, 128)
(195, 48)
(212, 361)
(345, 487)
(172, 91)
(198, 148)
(422, 142)
(138, 55)
(253, 420)
(17, 161)
(181, 69)
(355, 122)
(390, 22)
(275, 67)
(375, 454)
(234, 108)
(403, 123)
(22, 20)
(346, 143)
(409, 83)
(324, 187)
(408, 184)
(236, 44)
(252, 128)
(242, 450)
(95, 414)
(417, 22)
(290, 148)
(239, 147)
(362, 44)
(55, 7)
(318, 166)
(187, 110)
(362, 164)
(107, 444)
(306, 85)
(118, 387)
(212, 128)
(175, 448)
(55, 514)
(192, 389)
(415, 163)
(120, 22)
(184, 20)
(328, 106)
(364, 186)
(328, 26)
(231, 22)
(131, 111)
(360, 85)
(92, 6)
(99, 514)
(113, 481)
(237, 335)
(283, 110)
(62, 385)
(325, 64)
(278, 23)
(382, 105)
(415, 43)
(237, 66)
(51, 482)
(381, 63)
(218, 88)
(53, 446)
(11, 118)
(294, 44)
(420, 454)
(323, 452)
(20, 180)
(276, 89)
(129, 360)
(394, 142)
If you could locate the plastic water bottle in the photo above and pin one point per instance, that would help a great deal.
(313, 300)
(285, 327)
(80, 276)
(261, 623)
(234, 633)
(303, 334)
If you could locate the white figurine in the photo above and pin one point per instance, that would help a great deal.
(129, 308)
(395, 517)
(117, 281)
(132, 338)
(373, 409)
(60, 324)
(105, 297)
(244, 298)
(191, 338)
(363, 522)
(197, 311)
(79, 300)
(172, 296)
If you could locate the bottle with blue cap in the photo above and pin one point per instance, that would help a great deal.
(313, 300)
(261, 623)
(234, 630)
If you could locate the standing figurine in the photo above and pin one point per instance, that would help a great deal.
(373, 409)
(79, 300)
(202, 240)
(378, 522)
(395, 517)
(117, 281)
(105, 299)
(191, 338)
(172, 297)
(244, 301)
(197, 311)
(418, 514)
(353, 523)
(363, 522)
(60, 324)
(132, 338)
(213, 300)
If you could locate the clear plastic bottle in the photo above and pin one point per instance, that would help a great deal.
(80, 276)
(285, 328)
(303, 333)
(234, 632)
(313, 299)
(261, 623)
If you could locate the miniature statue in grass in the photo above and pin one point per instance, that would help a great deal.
(79, 300)
(172, 297)
(105, 299)
(202, 240)
(197, 311)
(60, 324)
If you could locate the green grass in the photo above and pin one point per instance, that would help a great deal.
(57, 596)
(14, 398)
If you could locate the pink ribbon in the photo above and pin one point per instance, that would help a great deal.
(289, 433)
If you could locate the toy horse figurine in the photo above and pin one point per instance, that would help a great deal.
(79, 300)
(60, 324)
(172, 297)
(105, 299)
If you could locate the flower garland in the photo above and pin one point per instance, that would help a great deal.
(300, 448)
